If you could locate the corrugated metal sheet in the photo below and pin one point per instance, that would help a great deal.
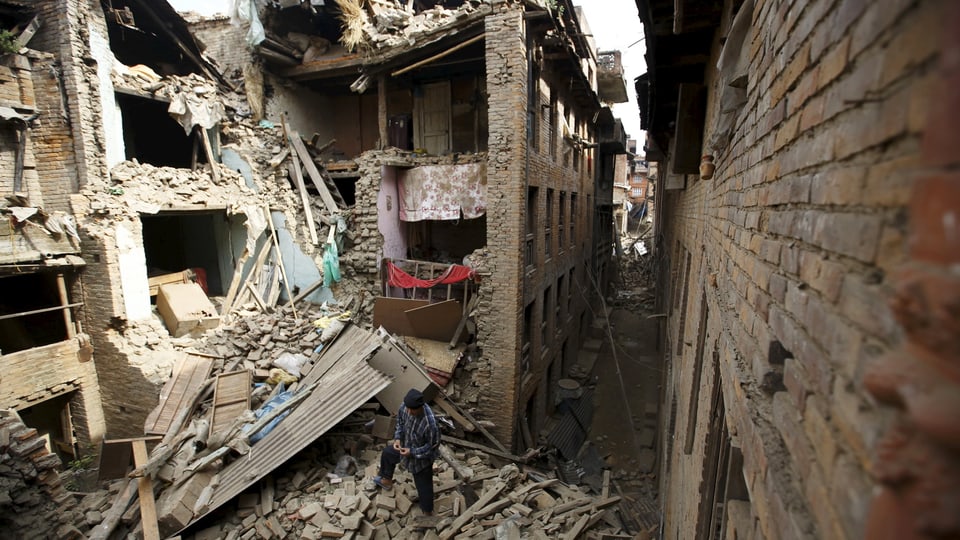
(346, 382)
(570, 432)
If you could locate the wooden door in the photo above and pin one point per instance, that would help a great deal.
(433, 118)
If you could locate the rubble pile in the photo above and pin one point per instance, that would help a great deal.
(32, 497)
(392, 26)
(327, 492)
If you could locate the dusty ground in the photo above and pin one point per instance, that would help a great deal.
(627, 374)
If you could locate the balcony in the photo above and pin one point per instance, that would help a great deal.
(610, 82)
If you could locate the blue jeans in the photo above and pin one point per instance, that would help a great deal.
(389, 459)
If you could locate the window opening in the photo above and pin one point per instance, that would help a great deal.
(34, 311)
(178, 241)
(531, 243)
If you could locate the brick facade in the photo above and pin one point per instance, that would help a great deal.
(535, 303)
(780, 269)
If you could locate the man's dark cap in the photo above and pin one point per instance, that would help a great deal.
(413, 399)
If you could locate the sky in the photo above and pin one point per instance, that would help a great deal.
(614, 23)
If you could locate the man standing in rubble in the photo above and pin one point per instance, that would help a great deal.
(415, 444)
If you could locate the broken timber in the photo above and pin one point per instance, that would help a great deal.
(301, 150)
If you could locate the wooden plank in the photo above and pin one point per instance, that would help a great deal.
(64, 300)
(234, 284)
(283, 271)
(448, 408)
(480, 428)
(297, 176)
(313, 172)
(691, 110)
(462, 325)
(208, 150)
(189, 374)
(176, 277)
(306, 292)
(390, 313)
(231, 397)
(492, 451)
(435, 321)
(148, 507)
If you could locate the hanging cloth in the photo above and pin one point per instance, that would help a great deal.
(455, 273)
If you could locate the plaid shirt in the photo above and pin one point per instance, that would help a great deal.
(421, 435)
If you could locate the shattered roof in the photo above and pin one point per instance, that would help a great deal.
(346, 382)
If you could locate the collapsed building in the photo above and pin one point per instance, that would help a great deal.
(444, 173)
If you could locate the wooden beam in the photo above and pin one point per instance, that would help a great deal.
(297, 175)
(64, 300)
(475, 446)
(44, 310)
(148, 507)
(382, 110)
(452, 411)
(306, 292)
(440, 55)
(480, 428)
(283, 270)
(294, 138)
(208, 150)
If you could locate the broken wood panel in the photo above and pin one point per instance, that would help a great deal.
(189, 373)
(231, 397)
(390, 313)
(435, 321)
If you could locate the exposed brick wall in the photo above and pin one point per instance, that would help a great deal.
(799, 229)
(500, 319)
(513, 165)
(51, 138)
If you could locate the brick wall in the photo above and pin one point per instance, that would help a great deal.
(791, 244)
(500, 318)
(515, 163)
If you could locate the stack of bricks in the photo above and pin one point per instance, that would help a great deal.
(31, 495)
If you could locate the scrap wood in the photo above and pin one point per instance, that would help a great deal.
(162, 453)
(453, 411)
(462, 470)
(481, 429)
(294, 139)
(283, 271)
(148, 506)
(112, 516)
(467, 515)
(297, 176)
(201, 463)
(476, 446)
